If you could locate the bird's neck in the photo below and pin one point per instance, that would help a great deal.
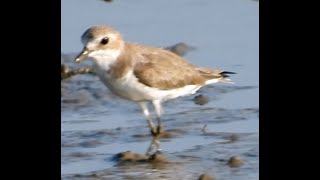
(114, 65)
(105, 58)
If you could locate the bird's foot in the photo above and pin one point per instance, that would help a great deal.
(159, 151)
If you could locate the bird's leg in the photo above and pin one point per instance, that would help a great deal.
(158, 109)
(155, 142)
(145, 111)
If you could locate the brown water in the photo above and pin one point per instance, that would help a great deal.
(96, 125)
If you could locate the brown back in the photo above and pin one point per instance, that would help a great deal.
(165, 70)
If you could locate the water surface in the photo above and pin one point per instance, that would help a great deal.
(95, 125)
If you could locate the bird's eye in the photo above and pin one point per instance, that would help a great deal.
(104, 41)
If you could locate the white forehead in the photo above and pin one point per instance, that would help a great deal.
(96, 38)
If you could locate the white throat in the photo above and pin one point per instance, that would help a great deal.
(104, 58)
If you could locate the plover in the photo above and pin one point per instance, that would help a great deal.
(143, 74)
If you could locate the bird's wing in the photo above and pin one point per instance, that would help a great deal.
(165, 70)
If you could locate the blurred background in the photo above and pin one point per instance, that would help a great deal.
(95, 125)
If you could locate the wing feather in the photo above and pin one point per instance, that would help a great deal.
(164, 70)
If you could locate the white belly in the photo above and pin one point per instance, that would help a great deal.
(130, 88)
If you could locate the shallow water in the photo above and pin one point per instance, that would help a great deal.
(95, 125)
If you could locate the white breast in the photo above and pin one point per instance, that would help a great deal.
(128, 86)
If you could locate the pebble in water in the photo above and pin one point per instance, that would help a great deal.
(235, 161)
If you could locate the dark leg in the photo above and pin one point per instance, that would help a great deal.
(154, 142)
(145, 111)
(158, 109)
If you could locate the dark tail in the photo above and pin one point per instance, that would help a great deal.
(225, 74)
